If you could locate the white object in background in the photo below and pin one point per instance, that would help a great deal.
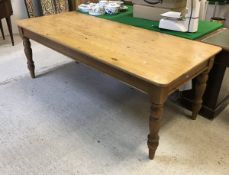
(96, 10)
(103, 3)
(173, 25)
(121, 3)
(186, 86)
(203, 9)
(84, 8)
(112, 8)
(173, 15)
(188, 24)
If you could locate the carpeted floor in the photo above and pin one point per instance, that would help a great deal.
(74, 120)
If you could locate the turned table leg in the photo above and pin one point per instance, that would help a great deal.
(200, 87)
(154, 126)
(29, 56)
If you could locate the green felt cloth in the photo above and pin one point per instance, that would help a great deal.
(205, 27)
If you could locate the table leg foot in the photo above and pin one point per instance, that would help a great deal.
(154, 126)
(29, 56)
(200, 86)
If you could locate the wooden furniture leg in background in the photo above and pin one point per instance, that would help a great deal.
(8, 21)
(29, 56)
(2, 31)
(200, 87)
(154, 127)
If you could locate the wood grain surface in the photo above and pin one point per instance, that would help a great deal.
(154, 57)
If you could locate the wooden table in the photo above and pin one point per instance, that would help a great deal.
(154, 63)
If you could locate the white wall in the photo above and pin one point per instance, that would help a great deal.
(19, 9)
